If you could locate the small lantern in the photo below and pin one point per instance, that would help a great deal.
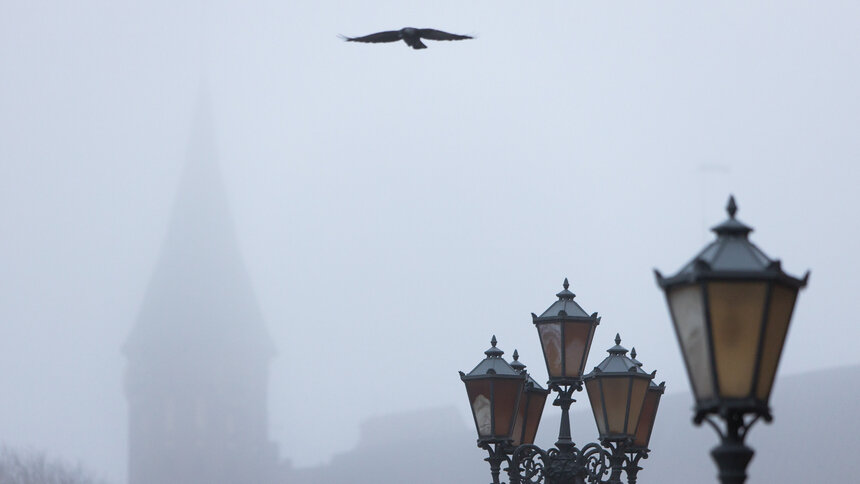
(531, 407)
(731, 306)
(565, 331)
(617, 388)
(494, 389)
(649, 410)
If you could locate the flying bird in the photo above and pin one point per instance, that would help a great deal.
(410, 35)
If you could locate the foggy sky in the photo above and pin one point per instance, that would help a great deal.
(397, 208)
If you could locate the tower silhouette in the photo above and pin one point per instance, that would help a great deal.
(198, 356)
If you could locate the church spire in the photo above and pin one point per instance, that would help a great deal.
(200, 294)
(197, 373)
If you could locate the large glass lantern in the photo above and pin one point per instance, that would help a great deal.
(617, 388)
(494, 389)
(731, 307)
(532, 403)
(565, 332)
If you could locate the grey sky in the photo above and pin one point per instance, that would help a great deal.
(396, 208)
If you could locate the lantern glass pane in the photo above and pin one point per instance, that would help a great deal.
(528, 417)
(479, 400)
(737, 310)
(537, 401)
(521, 417)
(615, 392)
(576, 342)
(593, 387)
(688, 315)
(506, 397)
(781, 305)
(550, 339)
(646, 419)
(637, 399)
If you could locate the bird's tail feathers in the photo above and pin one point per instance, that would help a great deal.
(415, 43)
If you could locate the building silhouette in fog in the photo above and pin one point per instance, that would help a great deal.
(198, 356)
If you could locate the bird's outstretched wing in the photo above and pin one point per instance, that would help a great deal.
(433, 34)
(387, 36)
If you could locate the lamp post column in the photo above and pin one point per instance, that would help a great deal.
(616, 463)
(733, 455)
(496, 456)
(632, 465)
(564, 400)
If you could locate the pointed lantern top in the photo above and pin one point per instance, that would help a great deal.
(493, 364)
(730, 255)
(565, 307)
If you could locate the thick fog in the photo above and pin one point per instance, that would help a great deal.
(393, 208)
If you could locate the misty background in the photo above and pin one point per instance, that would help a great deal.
(396, 208)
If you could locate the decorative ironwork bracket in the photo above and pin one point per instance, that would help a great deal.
(593, 464)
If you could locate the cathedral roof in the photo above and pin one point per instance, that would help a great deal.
(200, 302)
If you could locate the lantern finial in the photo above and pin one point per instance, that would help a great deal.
(565, 293)
(617, 349)
(494, 352)
(732, 227)
(517, 364)
(633, 357)
(732, 207)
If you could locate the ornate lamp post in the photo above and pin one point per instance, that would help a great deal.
(618, 389)
(731, 306)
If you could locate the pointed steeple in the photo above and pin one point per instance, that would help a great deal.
(198, 356)
(200, 295)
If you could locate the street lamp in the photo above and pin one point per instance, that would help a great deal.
(731, 306)
(532, 402)
(618, 389)
(494, 389)
(565, 332)
(649, 410)
(639, 448)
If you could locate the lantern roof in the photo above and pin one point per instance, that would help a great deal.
(531, 384)
(653, 386)
(565, 307)
(659, 388)
(731, 255)
(493, 364)
(618, 362)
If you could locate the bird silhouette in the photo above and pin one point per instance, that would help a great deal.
(410, 35)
